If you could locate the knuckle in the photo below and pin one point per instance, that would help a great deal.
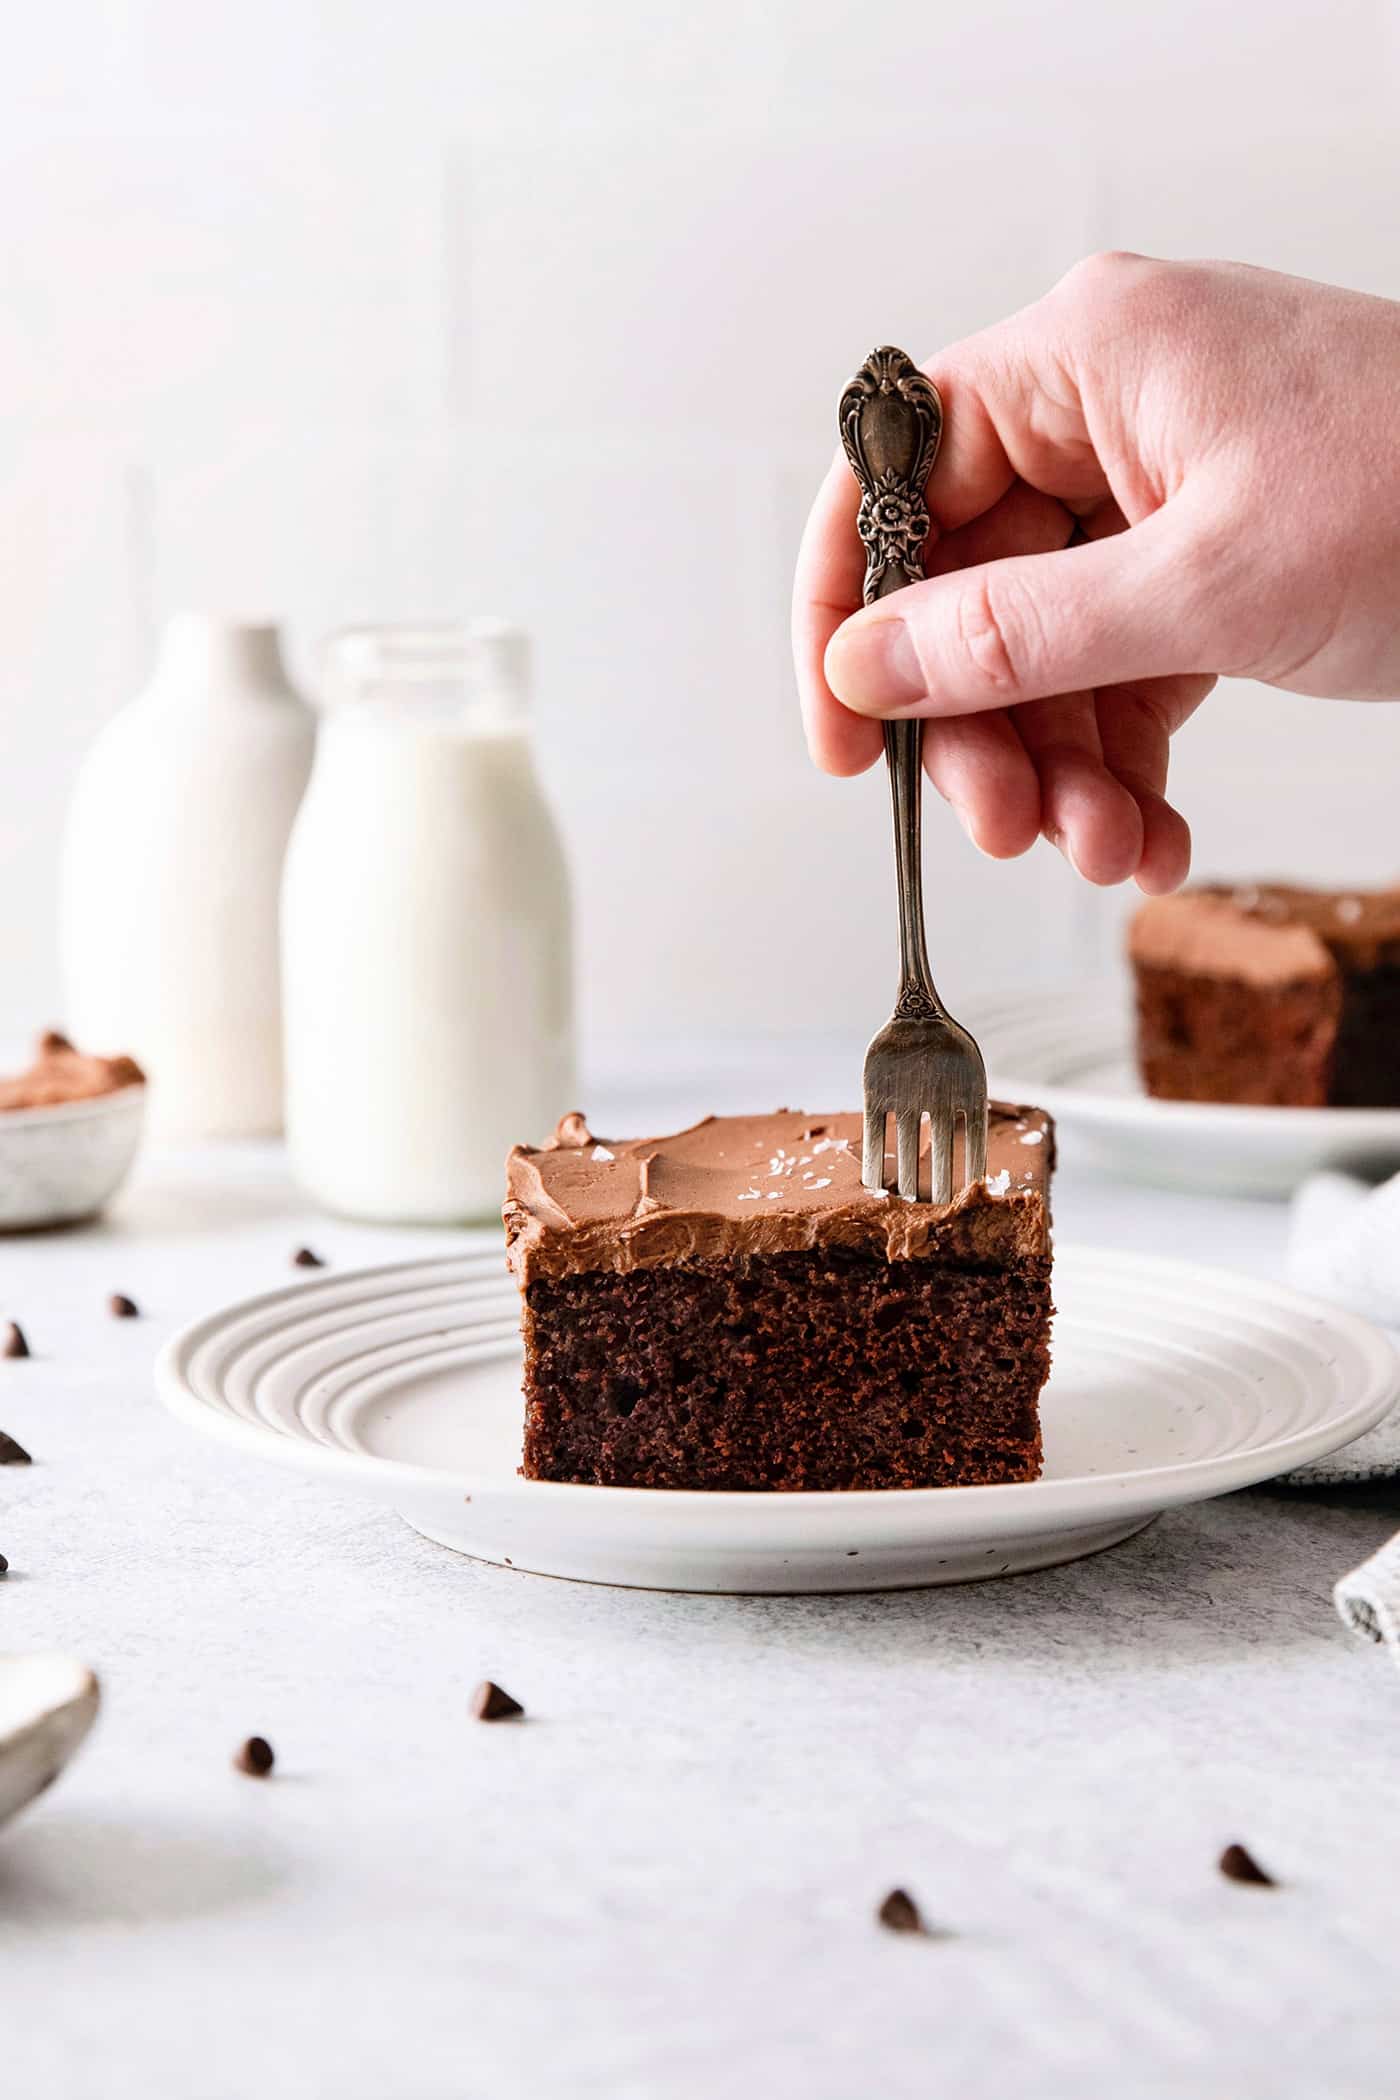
(998, 636)
(1106, 263)
(1117, 285)
(1106, 270)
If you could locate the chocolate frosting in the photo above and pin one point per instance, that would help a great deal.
(1267, 933)
(60, 1074)
(744, 1185)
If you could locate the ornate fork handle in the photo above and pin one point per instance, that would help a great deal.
(891, 422)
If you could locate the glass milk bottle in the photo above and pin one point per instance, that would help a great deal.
(427, 983)
(172, 861)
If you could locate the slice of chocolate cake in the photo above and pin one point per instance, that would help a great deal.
(1270, 994)
(729, 1308)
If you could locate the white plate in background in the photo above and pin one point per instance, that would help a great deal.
(1171, 1383)
(1069, 1048)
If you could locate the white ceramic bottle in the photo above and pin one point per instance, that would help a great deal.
(425, 931)
(171, 869)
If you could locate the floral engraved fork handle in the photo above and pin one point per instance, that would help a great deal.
(891, 422)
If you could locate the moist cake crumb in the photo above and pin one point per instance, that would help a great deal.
(1269, 995)
(683, 1331)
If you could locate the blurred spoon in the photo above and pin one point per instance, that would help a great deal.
(47, 1705)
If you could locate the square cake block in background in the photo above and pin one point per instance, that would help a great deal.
(1270, 995)
(729, 1307)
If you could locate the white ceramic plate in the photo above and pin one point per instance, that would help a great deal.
(1069, 1048)
(1171, 1383)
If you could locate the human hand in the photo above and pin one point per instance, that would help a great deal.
(1225, 442)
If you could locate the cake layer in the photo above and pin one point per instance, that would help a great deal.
(817, 1370)
(729, 1307)
(762, 1185)
(1270, 994)
(1206, 1038)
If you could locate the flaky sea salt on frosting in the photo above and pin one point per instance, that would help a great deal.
(737, 1186)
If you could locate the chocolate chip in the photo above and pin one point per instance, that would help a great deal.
(490, 1703)
(53, 1039)
(14, 1343)
(1238, 1865)
(11, 1453)
(900, 1913)
(305, 1259)
(4, 1565)
(122, 1308)
(254, 1757)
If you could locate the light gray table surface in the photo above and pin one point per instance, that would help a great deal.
(663, 1882)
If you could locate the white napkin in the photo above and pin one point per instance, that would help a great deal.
(1368, 1599)
(1344, 1244)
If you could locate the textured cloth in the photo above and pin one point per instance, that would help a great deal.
(1344, 1245)
(1369, 1598)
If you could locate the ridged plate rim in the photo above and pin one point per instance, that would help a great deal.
(1363, 1357)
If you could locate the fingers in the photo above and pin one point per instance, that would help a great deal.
(1133, 606)
(979, 764)
(1102, 771)
(1166, 845)
(826, 590)
(1135, 725)
(1085, 811)
(1020, 521)
(1007, 413)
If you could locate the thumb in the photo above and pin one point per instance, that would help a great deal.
(1128, 607)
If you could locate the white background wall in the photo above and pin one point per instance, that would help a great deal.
(350, 311)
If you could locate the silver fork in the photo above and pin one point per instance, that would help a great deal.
(922, 1063)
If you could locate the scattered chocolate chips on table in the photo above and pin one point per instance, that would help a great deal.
(4, 1565)
(254, 1757)
(11, 1453)
(122, 1307)
(14, 1343)
(900, 1913)
(1238, 1865)
(490, 1703)
(305, 1259)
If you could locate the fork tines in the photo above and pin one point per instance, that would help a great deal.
(917, 1068)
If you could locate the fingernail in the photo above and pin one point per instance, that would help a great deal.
(873, 667)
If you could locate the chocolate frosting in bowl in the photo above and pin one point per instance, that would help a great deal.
(60, 1075)
(767, 1184)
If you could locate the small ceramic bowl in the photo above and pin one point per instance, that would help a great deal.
(62, 1163)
